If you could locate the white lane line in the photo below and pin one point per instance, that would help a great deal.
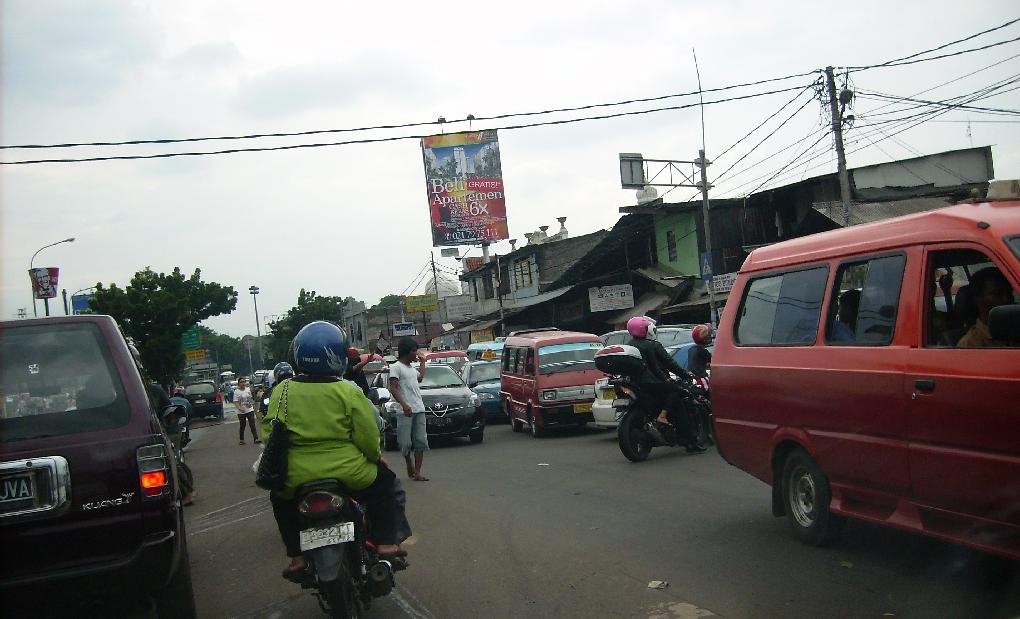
(406, 607)
(229, 522)
(239, 503)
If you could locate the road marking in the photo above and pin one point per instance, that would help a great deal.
(238, 504)
(678, 610)
(406, 606)
(229, 522)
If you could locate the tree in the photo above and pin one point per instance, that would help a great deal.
(155, 310)
(310, 307)
(225, 350)
(390, 300)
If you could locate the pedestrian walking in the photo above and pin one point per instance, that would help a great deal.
(245, 410)
(411, 432)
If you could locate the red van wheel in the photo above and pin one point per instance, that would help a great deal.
(806, 497)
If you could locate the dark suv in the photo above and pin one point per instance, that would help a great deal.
(205, 400)
(89, 499)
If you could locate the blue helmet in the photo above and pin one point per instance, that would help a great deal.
(320, 348)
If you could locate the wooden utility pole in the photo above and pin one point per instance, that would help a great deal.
(702, 163)
(837, 132)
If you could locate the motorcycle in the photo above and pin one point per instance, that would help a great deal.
(638, 431)
(344, 568)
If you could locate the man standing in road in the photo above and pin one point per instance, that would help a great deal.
(411, 431)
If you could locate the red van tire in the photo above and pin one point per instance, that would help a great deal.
(806, 496)
(536, 432)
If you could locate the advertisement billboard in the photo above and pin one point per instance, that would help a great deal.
(607, 298)
(464, 183)
(80, 303)
(44, 282)
(421, 303)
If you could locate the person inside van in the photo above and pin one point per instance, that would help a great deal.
(846, 322)
(991, 289)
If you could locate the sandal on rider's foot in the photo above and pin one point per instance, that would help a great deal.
(296, 575)
(696, 449)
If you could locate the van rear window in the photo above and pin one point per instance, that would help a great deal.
(58, 380)
(782, 309)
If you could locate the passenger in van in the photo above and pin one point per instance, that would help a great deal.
(844, 326)
(991, 289)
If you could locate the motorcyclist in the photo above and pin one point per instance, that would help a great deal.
(699, 359)
(332, 435)
(281, 372)
(657, 381)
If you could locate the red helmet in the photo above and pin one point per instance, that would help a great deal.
(702, 335)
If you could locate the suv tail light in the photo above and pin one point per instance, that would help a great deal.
(321, 504)
(153, 470)
(219, 396)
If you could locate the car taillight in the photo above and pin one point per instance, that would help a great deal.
(153, 470)
(320, 504)
(219, 396)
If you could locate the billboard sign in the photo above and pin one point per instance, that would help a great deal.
(464, 183)
(722, 284)
(415, 304)
(44, 282)
(191, 340)
(80, 303)
(197, 355)
(606, 298)
(458, 306)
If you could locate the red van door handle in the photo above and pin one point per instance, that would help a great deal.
(924, 384)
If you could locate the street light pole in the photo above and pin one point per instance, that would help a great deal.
(254, 290)
(31, 265)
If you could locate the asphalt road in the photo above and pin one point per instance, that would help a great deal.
(566, 527)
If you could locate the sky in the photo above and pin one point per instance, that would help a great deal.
(353, 220)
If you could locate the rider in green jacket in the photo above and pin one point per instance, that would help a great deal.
(333, 435)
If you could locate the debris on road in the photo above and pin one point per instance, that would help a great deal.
(658, 584)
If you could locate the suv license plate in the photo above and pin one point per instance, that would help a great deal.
(327, 536)
(437, 421)
(17, 488)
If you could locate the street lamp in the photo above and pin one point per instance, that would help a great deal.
(31, 265)
(254, 290)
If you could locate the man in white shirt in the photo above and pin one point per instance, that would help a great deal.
(411, 432)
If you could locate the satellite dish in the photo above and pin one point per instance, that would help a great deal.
(646, 195)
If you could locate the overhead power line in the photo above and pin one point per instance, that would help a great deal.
(913, 58)
(403, 125)
(392, 138)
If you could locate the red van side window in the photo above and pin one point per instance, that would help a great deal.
(782, 309)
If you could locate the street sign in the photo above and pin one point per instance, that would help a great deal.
(706, 265)
(421, 303)
(190, 340)
(401, 329)
(606, 298)
(722, 284)
(196, 355)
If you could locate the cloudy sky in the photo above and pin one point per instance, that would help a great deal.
(353, 220)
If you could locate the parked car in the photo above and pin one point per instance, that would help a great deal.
(205, 400)
(453, 358)
(547, 377)
(678, 343)
(837, 381)
(483, 378)
(485, 351)
(91, 502)
(452, 409)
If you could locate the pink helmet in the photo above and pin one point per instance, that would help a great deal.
(642, 327)
(702, 335)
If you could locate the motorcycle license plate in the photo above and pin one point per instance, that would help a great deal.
(327, 536)
(608, 394)
(199, 401)
(580, 409)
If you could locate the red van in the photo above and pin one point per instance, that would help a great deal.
(547, 378)
(874, 373)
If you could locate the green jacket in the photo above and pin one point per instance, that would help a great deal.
(333, 433)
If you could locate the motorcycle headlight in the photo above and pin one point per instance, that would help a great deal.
(549, 395)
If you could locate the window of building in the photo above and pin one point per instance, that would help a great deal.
(522, 274)
(671, 245)
(487, 282)
(474, 289)
(864, 302)
(782, 309)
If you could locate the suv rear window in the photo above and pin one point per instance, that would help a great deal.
(58, 380)
(200, 389)
(782, 309)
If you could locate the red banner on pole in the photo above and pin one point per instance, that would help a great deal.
(44, 282)
(464, 180)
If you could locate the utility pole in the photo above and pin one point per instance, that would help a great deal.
(63, 292)
(499, 295)
(837, 131)
(702, 164)
(435, 277)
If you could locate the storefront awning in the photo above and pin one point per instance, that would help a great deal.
(478, 326)
(720, 299)
(648, 303)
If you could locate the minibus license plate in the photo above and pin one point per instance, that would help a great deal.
(580, 409)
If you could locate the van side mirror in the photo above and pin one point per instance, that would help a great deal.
(1004, 323)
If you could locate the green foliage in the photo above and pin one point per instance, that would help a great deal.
(155, 310)
(310, 307)
(226, 350)
(390, 300)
